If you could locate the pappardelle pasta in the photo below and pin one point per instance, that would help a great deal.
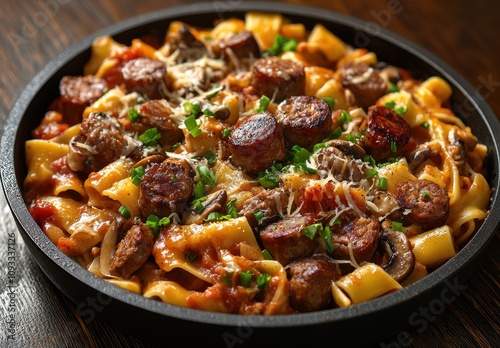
(254, 167)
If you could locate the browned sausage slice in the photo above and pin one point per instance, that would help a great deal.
(269, 202)
(423, 202)
(132, 251)
(78, 92)
(385, 133)
(99, 143)
(364, 82)
(165, 188)
(240, 45)
(310, 283)
(278, 78)
(361, 234)
(145, 76)
(306, 120)
(158, 114)
(285, 241)
(256, 142)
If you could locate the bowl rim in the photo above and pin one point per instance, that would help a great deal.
(32, 231)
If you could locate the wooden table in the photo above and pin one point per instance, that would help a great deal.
(463, 33)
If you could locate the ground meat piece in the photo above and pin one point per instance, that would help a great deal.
(240, 45)
(363, 236)
(99, 143)
(364, 81)
(423, 202)
(306, 120)
(285, 241)
(157, 114)
(145, 76)
(385, 133)
(132, 251)
(255, 142)
(165, 188)
(310, 283)
(78, 92)
(270, 202)
(278, 78)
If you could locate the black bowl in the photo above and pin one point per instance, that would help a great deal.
(162, 323)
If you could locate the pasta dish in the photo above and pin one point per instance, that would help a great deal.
(255, 167)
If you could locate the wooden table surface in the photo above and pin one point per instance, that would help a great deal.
(465, 34)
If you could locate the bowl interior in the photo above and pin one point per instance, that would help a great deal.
(389, 47)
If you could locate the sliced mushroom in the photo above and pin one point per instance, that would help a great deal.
(157, 158)
(400, 257)
(457, 150)
(196, 214)
(348, 148)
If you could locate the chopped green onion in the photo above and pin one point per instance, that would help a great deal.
(245, 278)
(394, 146)
(208, 112)
(300, 155)
(393, 87)
(351, 137)
(371, 173)
(199, 190)
(176, 145)
(390, 104)
(263, 280)
(133, 115)
(344, 118)
(401, 110)
(398, 226)
(263, 103)
(425, 125)
(383, 183)
(269, 180)
(124, 211)
(192, 126)
(207, 177)
(231, 209)
(326, 235)
(267, 255)
(192, 109)
(330, 101)
(370, 160)
(156, 223)
(226, 132)
(150, 137)
(136, 175)
(210, 157)
(311, 230)
(198, 206)
(336, 133)
(426, 195)
(282, 44)
(259, 216)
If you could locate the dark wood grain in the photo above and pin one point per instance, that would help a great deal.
(465, 34)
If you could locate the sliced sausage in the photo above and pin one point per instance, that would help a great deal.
(145, 76)
(255, 142)
(132, 251)
(385, 133)
(310, 283)
(78, 92)
(360, 235)
(165, 188)
(278, 78)
(270, 202)
(306, 120)
(285, 241)
(364, 81)
(158, 114)
(423, 202)
(241, 45)
(99, 142)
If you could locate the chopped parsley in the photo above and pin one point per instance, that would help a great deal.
(398, 226)
(133, 115)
